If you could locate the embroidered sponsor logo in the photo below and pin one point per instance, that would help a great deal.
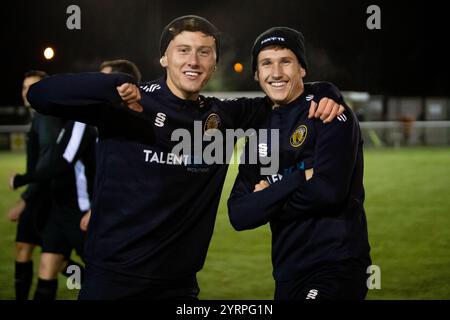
(273, 39)
(165, 158)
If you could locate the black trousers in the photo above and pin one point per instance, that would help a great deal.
(62, 232)
(345, 280)
(100, 284)
(33, 219)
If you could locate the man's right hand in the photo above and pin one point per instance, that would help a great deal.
(130, 93)
(261, 185)
(15, 212)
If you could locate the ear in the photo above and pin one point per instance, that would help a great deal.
(163, 61)
(302, 72)
(256, 76)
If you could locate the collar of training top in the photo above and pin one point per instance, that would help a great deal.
(172, 98)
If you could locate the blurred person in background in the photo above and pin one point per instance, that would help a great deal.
(71, 170)
(32, 209)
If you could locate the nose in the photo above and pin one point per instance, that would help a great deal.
(276, 71)
(193, 60)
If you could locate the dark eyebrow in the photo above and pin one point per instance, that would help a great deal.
(199, 48)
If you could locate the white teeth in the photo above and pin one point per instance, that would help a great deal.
(189, 73)
(277, 84)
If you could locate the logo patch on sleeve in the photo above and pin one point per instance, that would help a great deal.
(299, 136)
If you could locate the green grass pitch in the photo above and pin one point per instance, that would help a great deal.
(408, 212)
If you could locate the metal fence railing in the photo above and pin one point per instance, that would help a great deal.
(406, 133)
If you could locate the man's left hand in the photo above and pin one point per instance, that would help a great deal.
(327, 110)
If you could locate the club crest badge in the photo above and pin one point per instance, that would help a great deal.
(299, 136)
(212, 122)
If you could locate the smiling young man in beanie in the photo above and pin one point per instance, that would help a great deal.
(152, 215)
(314, 203)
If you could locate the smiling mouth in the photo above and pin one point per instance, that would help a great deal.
(192, 74)
(278, 84)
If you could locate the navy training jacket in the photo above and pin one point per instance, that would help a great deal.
(314, 221)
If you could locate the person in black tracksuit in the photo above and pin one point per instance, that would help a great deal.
(33, 208)
(149, 233)
(71, 170)
(314, 202)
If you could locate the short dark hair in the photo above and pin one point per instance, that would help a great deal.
(124, 66)
(36, 73)
(188, 23)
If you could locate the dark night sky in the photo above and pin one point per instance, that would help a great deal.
(406, 57)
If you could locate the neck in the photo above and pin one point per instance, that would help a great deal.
(181, 94)
(277, 104)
